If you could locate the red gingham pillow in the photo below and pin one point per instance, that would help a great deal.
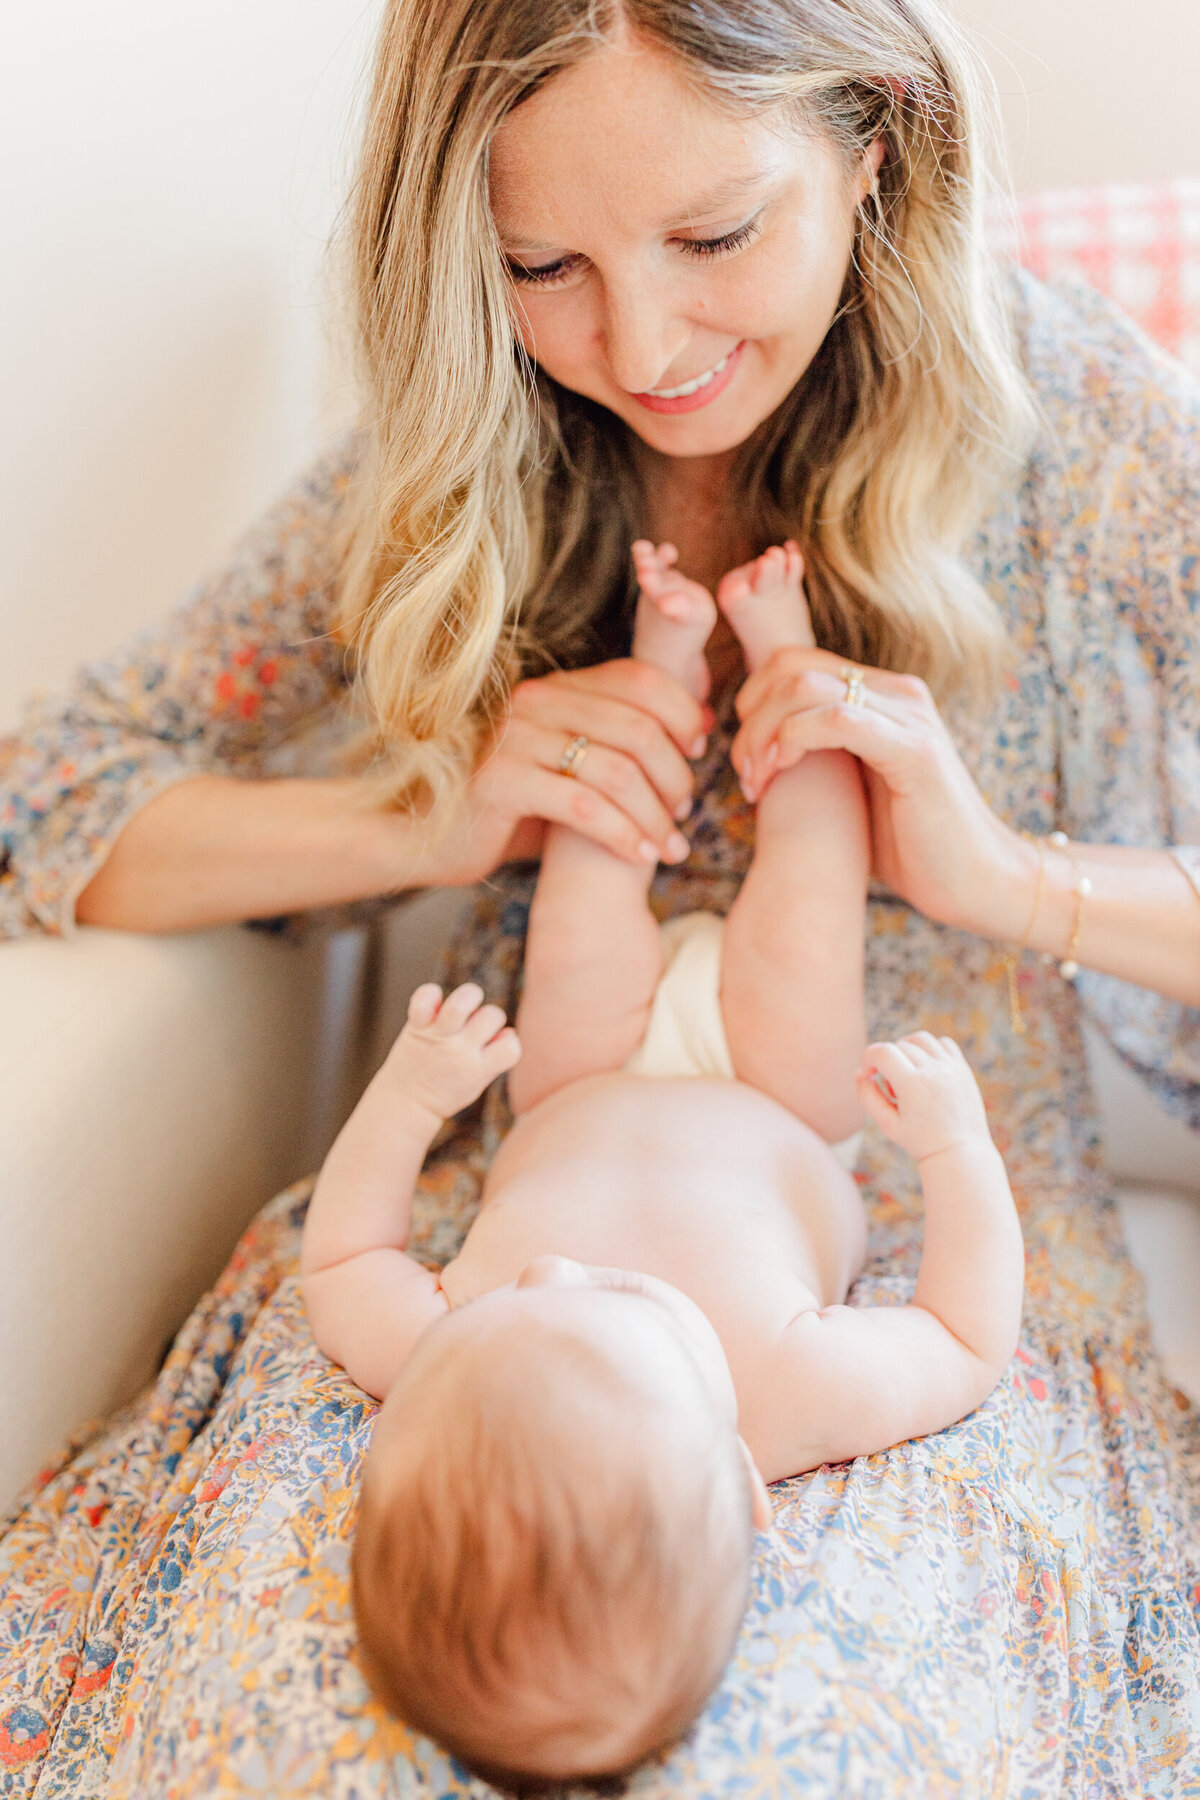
(1140, 245)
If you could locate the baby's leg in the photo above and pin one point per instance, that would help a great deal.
(592, 960)
(792, 966)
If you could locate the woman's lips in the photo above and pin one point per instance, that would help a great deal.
(714, 383)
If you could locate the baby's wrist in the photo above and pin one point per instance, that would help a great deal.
(407, 1108)
(977, 1143)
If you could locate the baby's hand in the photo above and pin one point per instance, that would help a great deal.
(451, 1049)
(922, 1093)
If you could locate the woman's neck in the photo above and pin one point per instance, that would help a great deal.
(689, 504)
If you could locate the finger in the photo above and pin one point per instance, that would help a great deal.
(540, 794)
(888, 1060)
(457, 1008)
(504, 1052)
(802, 678)
(484, 1025)
(622, 781)
(953, 1048)
(895, 752)
(424, 1004)
(620, 777)
(639, 685)
(877, 1099)
(558, 716)
(796, 659)
(924, 1040)
(804, 689)
(792, 691)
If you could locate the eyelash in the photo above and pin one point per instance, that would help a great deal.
(697, 247)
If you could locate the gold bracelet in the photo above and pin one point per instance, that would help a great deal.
(1068, 968)
(1013, 957)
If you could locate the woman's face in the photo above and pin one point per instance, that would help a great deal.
(660, 244)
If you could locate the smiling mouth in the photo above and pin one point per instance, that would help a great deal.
(702, 390)
(692, 387)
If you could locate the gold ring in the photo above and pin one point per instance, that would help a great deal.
(854, 679)
(572, 756)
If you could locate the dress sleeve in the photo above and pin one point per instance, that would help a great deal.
(243, 666)
(1123, 617)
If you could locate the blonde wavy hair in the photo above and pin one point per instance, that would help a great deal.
(490, 522)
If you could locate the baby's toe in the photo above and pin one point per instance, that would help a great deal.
(769, 569)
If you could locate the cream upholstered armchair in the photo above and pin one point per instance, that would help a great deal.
(154, 1092)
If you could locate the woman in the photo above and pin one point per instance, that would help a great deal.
(710, 274)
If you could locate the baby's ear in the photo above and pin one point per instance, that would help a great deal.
(763, 1512)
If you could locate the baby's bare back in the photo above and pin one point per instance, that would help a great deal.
(707, 1184)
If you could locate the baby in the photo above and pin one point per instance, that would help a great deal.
(646, 1322)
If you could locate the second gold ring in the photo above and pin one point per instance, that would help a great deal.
(854, 679)
(573, 756)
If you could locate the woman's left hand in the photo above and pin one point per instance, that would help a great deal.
(936, 842)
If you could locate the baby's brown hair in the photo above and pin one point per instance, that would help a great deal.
(543, 1609)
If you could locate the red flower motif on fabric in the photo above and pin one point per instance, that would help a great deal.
(239, 687)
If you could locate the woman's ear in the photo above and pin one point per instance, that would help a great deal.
(873, 157)
(763, 1513)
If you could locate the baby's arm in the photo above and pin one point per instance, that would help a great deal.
(368, 1301)
(863, 1378)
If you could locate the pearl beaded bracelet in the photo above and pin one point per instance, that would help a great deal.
(1068, 968)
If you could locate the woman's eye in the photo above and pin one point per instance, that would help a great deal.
(549, 274)
(722, 246)
(545, 276)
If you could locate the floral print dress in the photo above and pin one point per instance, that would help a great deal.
(1008, 1608)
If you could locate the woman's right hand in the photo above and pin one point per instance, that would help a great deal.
(632, 787)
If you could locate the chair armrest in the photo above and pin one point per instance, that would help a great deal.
(1142, 1143)
(154, 1092)
(1162, 1228)
(1155, 1161)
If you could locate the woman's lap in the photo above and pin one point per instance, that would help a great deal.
(1008, 1607)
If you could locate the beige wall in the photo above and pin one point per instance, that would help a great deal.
(170, 174)
(1094, 90)
(170, 178)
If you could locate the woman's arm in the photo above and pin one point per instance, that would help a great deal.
(216, 849)
(938, 845)
(145, 798)
(1140, 919)
(213, 850)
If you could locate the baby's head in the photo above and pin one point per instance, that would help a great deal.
(554, 1542)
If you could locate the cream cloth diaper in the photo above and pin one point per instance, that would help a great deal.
(686, 1032)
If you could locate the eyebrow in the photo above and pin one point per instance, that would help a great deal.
(726, 193)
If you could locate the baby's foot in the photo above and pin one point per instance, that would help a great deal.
(765, 603)
(674, 619)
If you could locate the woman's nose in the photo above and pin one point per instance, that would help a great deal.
(642, 339)
(552, 1271)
